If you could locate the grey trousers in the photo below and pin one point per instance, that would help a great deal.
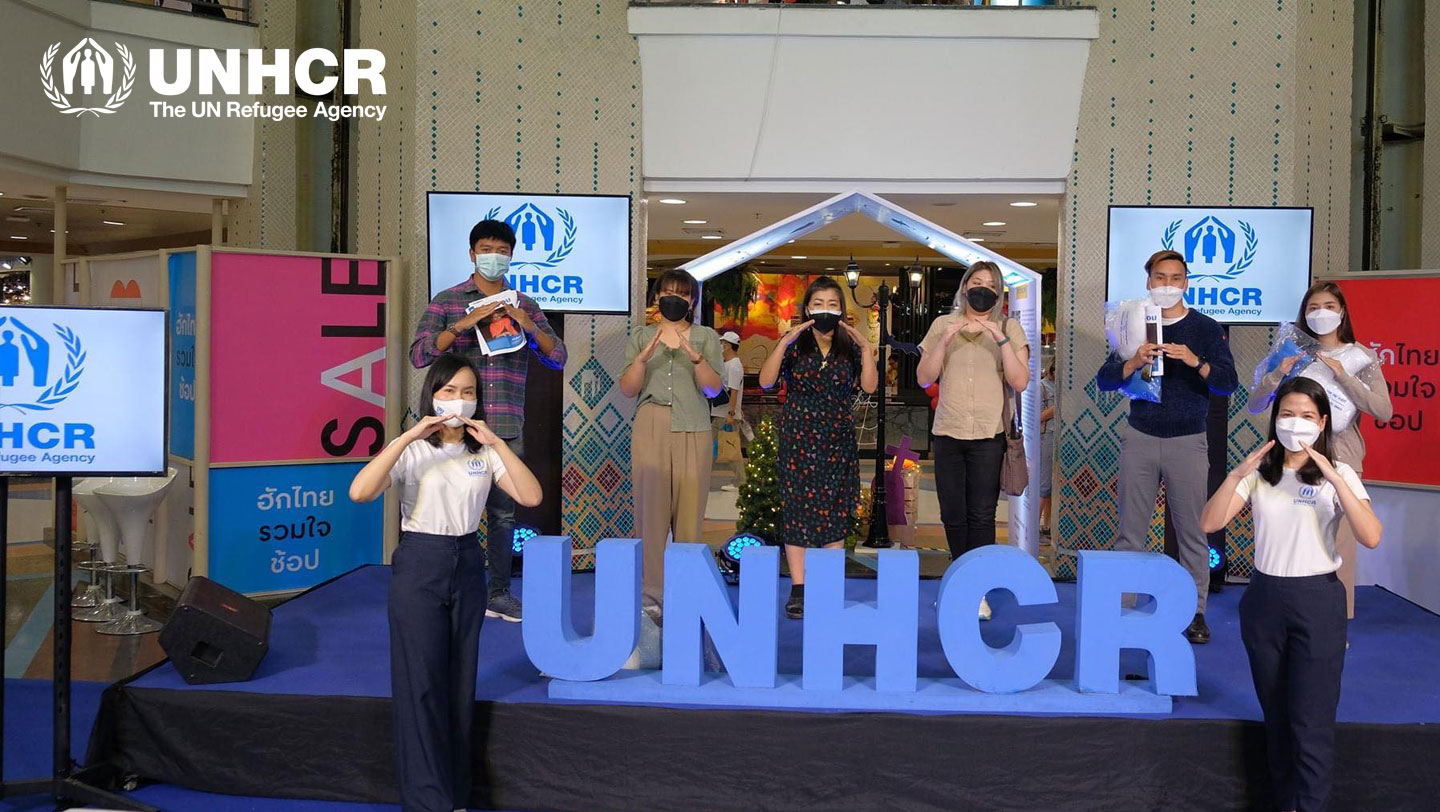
(1184, 465)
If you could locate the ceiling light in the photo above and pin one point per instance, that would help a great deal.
(799, 257)
(675, 201)
(112, 222)
(993, 223)
(5, 265)
(18, 237)
(1019, 204)
(711, 237)
(976, 239)
(695, 222)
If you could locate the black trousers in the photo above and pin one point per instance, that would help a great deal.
(967, 482)
(437, 603)
(1294, 631)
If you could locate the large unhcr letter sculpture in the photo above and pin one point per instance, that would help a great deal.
(549, 630)
(696, 596)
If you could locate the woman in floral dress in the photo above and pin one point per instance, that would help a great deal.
(822, 360)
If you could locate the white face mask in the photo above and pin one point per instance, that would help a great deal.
(464, 408)
(491, 266)
(1323, 322)
(1292, 431)
(1166, 296)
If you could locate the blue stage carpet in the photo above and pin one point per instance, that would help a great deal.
(334, 641)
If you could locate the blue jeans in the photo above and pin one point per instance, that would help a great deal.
(500, 530)
(436, 606)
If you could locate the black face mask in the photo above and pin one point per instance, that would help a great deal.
(825, 322)
(674, 308)
(981, 299)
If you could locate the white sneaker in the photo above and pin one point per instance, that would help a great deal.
(729, 488)
(984, 609)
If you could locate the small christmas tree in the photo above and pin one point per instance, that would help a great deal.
(759, 500)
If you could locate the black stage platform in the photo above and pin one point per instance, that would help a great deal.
(315, 723)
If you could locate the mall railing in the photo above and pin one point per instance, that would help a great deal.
(237, 11)
(992, 3)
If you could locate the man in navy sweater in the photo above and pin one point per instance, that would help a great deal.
(1165, 441)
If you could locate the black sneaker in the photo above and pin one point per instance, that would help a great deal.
(1198, 633)
(795, 607)
(504, 606)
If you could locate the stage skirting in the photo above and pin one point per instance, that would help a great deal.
(315, 723)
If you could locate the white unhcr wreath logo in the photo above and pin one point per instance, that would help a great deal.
(91, 68)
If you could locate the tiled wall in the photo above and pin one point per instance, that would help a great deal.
(527, 96)
(1227, 103)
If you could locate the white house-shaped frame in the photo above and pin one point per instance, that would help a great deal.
(1024, 300)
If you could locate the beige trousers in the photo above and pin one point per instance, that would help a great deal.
(670, 471)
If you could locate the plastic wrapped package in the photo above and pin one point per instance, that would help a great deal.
(1125, 329)
(1289, 341)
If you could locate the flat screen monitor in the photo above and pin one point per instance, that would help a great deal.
(1247, 265)
(82, 391)
(572, 252)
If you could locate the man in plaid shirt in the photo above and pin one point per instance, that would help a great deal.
(446, 327)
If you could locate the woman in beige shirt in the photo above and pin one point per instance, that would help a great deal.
(1355, 384)
(672, 367)
(975, 352)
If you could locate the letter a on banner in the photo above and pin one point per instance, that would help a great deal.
(366, 365)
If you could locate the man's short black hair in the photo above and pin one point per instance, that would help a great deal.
(494, 230)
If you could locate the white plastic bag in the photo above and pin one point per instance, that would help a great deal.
(1125, 330)
(1289, 341)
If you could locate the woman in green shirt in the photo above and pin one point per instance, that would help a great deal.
(672, 368)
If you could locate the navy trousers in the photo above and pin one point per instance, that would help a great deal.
(1294, 631)
(437, 603)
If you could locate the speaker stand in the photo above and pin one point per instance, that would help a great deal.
(65, 785)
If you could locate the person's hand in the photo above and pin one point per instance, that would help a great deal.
(1289, 363)
(1335, 366)
(427, 426)
(1183, 354)
(481, 432)
(522, 319)
(1147, 353)
(477, 315)
(861, 342)
(649, 351)
(688, 348)
(730, 421)
(949, 334)
(1252, 463)
(1321, 461)
(993, 329)
(794, 333)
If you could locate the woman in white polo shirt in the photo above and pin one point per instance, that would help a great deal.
(1292, 616)
(444, 466)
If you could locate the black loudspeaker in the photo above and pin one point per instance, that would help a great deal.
(216, 634)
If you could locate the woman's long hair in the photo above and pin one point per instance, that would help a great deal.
(997, 284)
(441, 371)
(1274, 462)
(1346, 331)
(840, 342)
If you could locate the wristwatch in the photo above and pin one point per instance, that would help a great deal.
(454, 331)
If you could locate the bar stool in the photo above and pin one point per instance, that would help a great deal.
(100, 524)
(133, 501)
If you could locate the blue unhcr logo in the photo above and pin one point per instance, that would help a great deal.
(1210, 248)
(25, 358)
(535, 235)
